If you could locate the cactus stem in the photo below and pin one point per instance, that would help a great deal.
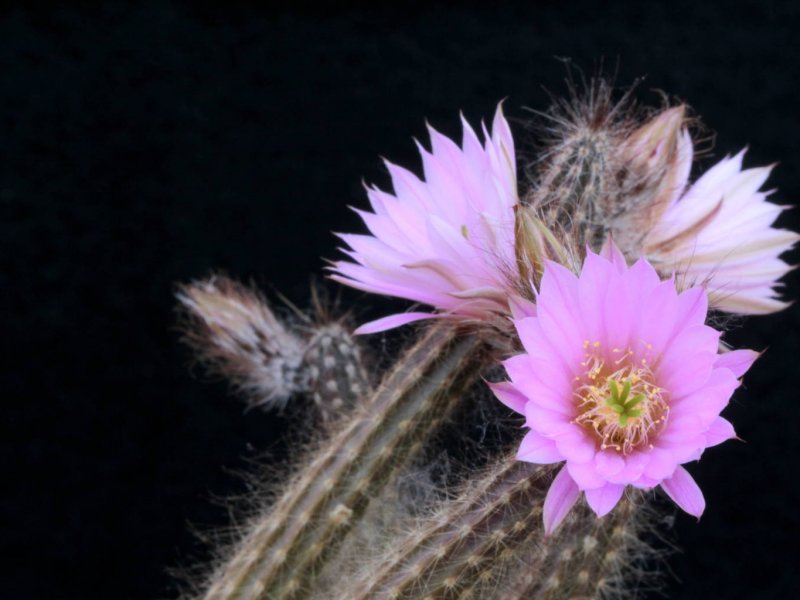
(282, 554)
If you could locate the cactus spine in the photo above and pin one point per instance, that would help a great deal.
(599, 175)
(236, 334)
(488, 542)
(281, 555)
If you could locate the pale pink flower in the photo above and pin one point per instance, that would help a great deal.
(718, 233)
(447, 241)
(622, 380)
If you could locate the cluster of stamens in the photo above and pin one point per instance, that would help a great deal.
(617, 399)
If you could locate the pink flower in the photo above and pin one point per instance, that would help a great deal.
(622, 380)
(718, 233)
(447, 241)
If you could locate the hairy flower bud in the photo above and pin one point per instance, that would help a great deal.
(656, 160)
(237, 335)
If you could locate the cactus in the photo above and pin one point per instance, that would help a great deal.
(236, 334)
(284, 550)
(576, 177)
(341, 526)
(488, 542)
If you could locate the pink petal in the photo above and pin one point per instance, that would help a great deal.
(546, 422)
(688, 361)
(538, 449)
(685, 492)
(688, 450)
(662, 464)
(441, 241)
(635, 465)
(609, 463)
(585, 475)
(561, 497)
(537, 381)
(707, 401)
(564, 338)
(682, 429)
(557, 307)
(692, 307)
(603, 499)
(530, 334)
(618, 310)
(720, 431)
(611, 253)
(575, 445)
(521, 308)
(540, 345)
(641, 280)
(509, 395)
(645, 483)
(560, 287)
(738, 361)
(592, 291)
(392, 321)
(657, 316)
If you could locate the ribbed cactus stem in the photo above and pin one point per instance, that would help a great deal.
(578, 175)
(577, 180)
(284, 551)
(587, 558)
(337, 380)
(445, 556)
(489, 542)
(235, 333)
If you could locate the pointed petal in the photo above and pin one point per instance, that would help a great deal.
(685, 492)
(538, 449)
(561, 497)
(585, 475)
(662, 464)
(521, 308)
(609, 463)
(509, 395)
(392, 321)
(612, 253)
(738, 361)
(720, 431)
(603, 499)
(576, 445)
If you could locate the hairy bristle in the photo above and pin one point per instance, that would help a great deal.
(237, 335)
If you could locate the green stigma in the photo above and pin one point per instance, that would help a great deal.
(465, 232)
(621, 403)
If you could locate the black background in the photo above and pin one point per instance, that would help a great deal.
(145, 146)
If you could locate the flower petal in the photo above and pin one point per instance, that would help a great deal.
(685, 492)
(447, 241)
(576, 445)
(720, 431)
(603, 499)
(612, 254)
(561, 497)
(546, 422)
(585, 475)
(609, 463)
(538, 449)
(662, 464)
(738, 361)
(392, 321)
(509, 395)
(521, 308)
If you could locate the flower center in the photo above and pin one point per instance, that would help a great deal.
(617, 399)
